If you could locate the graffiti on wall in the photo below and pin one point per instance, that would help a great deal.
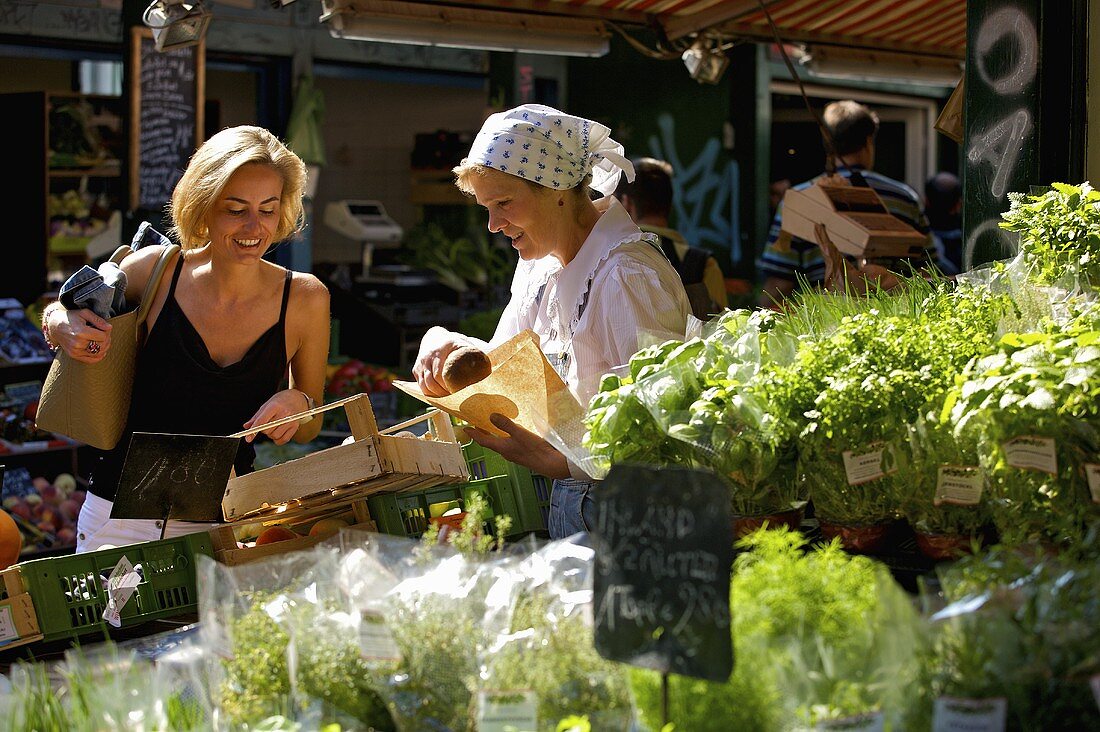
(705, 192)
(1006, 56)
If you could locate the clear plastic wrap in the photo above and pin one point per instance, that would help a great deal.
(547, 649)
(287, 649)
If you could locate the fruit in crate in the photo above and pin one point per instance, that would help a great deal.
(11, 541)
(327, 527)
(465, 366)
(273, 534)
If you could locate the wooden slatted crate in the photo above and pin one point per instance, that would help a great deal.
(375, 462)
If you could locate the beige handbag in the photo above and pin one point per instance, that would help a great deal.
(90, 402)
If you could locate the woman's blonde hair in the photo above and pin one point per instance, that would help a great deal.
(465, 170)
(210, 169)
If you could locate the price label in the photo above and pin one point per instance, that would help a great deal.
(874, 722)
(376, 640)
(959, 485)
(1092, 472)
(7, 626)
(507, 711)
(952, 714)
(866, 464)
(1032, 453)
(121, 585)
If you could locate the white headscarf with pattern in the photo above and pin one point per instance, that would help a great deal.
(551, 148)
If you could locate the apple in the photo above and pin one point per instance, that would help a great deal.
(22, 510)
(70, 509)
(66, 536)
(79, 496)
(39, 483)
(274, 534)
(50, 494)
(11, 501)
(33, 498)
(46, 527)
(65, 483)
(327, 527)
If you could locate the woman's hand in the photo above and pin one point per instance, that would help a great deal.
(81, 333)
(522, 447)
(282, 404)
(435, 346)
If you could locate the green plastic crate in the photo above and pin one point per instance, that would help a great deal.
(529, 502)
(68, 592)
(406, 514)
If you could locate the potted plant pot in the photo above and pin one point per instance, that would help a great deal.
(940, 547)
(857, 538)
(745, 525)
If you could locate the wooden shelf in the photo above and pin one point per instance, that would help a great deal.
(107, 171)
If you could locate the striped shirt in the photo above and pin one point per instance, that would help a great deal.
(804, 258)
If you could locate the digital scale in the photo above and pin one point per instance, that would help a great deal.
(365, 222)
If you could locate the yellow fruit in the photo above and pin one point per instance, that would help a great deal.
(327, 527)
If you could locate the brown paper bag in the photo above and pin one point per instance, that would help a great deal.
(523, 386)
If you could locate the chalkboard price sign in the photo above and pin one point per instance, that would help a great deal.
(167, 109)
(174, 476)
(664, 548)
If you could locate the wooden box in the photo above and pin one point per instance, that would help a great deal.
(18, 621)
(375, 462)
(854, 217)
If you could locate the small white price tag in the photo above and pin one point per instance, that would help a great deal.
(1032, 453)
(874, 722)
(959, 485)
(376, 639)
(507, 711)
(1092, 472)
(7, 626)
(866, 464)
(120, 586)
(952, 714)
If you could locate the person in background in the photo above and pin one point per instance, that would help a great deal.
(853, 128)
(776, 189)
(648, 200)
(589, 282)
(225, 329)
(943, 202)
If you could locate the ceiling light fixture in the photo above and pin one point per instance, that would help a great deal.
(176, 23)
(705, 61)
(494, 30)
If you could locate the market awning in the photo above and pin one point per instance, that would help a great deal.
(932, 28)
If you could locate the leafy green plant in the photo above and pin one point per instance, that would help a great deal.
(1059, 233)
(817, 634)
(465, 261)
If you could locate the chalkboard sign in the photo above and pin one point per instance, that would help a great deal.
(174, 476)
(167, 112)
(664, 548)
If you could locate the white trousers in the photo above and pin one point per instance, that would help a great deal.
(95, 527)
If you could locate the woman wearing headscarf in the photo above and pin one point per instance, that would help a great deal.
(589, 283)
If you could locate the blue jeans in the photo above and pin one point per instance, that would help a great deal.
(572, 508)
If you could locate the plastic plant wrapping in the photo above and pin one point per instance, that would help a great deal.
(547, 647)
(943, 467)
(1020, 629)
(437, 607)
(818, 634)
(1033, 407)
(287, 651)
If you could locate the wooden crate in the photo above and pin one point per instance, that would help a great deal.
(229, 552)
(18, 621)
(375, 462)
(856, 219)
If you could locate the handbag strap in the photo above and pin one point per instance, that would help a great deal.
(121, 253)
(151, 286)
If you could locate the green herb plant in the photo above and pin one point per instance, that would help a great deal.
(1059, 234)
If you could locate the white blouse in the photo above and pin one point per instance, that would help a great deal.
(618, 295)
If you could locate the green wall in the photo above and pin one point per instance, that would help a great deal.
(654, 108)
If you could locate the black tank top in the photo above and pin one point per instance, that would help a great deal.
(179, 389)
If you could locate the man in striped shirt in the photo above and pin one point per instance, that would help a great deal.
(853, 128)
